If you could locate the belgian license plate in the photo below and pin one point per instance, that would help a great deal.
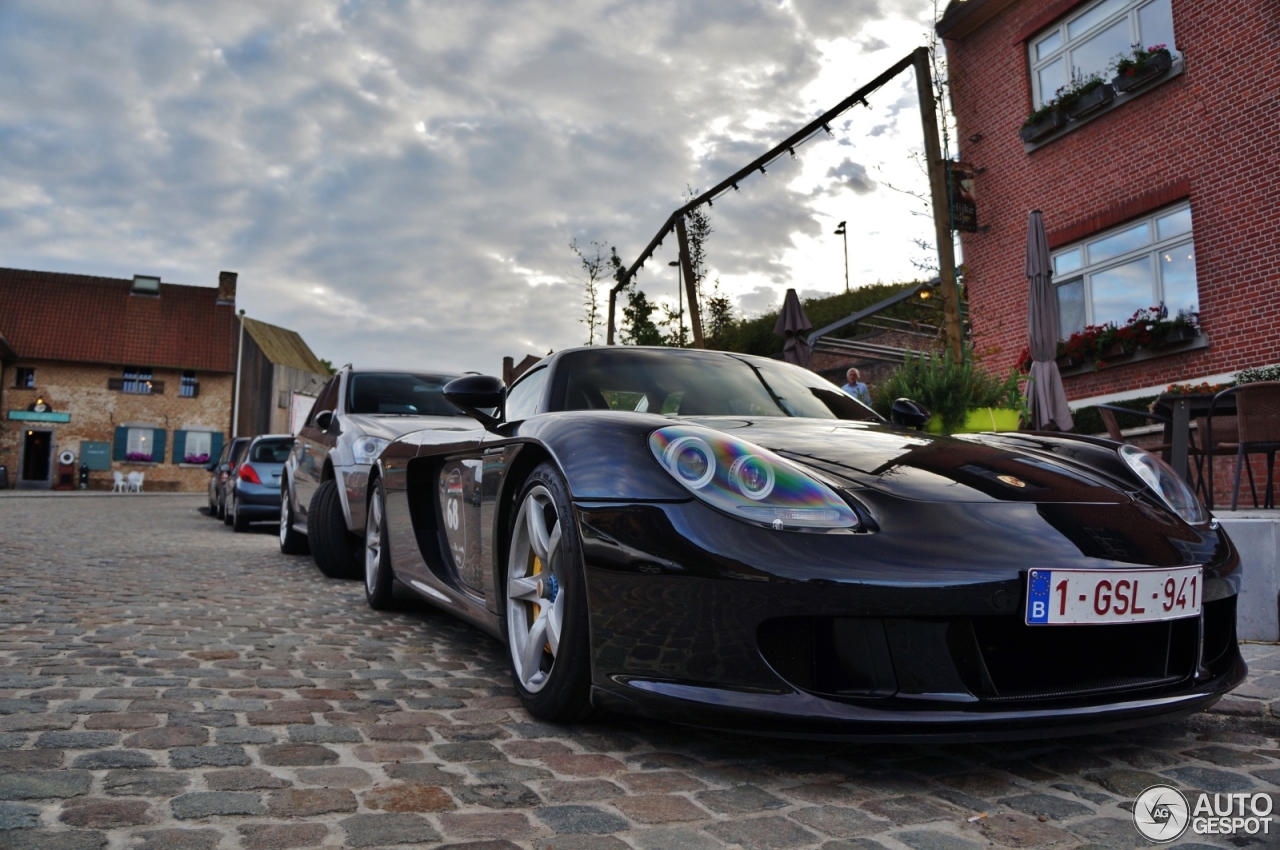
(1085, 597)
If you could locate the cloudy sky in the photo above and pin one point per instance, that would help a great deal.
(399, 181)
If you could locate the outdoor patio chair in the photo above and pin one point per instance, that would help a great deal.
(118, 485)
(135, 482)
(1225, 435)
(1108, 413)
(1258, 432)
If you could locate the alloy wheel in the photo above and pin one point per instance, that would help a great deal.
(373, 544)
(535, 605)
(286, 518)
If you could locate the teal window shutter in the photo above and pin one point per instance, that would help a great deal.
(215, 446)
(120, 445)
(179, 447)
(157, 447)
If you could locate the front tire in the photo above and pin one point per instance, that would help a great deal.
(379, 576)
(546, 604)
(332, 545)
(292, 541)
(227, 516)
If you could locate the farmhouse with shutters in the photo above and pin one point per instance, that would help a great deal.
(127, 376)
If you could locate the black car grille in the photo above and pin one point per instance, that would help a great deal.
(1002, 658)
(996, 659)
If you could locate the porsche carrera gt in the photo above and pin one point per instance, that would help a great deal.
(733, 542)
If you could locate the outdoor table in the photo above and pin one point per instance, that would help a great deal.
(1181, 408)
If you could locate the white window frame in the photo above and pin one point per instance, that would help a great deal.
(203, 439)
(1154, 248)
(1064, 49)
(141, 441)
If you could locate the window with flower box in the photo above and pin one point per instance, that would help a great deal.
(197, 444)
(1140, 264)
(1090, 40)
(139, 443)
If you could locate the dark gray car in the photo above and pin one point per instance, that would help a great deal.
(220, 469)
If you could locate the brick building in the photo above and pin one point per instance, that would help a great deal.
(1163, 194)
(130, 376)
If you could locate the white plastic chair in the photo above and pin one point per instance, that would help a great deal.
(118, 486)
(135, 482)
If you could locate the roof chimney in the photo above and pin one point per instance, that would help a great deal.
(227, 287)
(145, 285)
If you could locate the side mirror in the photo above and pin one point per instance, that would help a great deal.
(211, 465)
(909, 414)
(324, 419)
(474, 394)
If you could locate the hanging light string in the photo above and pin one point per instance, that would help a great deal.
(820, 125)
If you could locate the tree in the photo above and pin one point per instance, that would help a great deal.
(329, 365)
(597, 265)
(718, 320)
(697, 223)
(638, 327)
(677, 328)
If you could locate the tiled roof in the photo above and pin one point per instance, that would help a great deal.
(284, 347)
(79, 318)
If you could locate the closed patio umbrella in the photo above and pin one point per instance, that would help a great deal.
(792, 326)
(1045, 394)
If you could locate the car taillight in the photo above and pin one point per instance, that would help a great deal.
(248, 473)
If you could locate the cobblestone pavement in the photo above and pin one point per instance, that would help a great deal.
(167, 684)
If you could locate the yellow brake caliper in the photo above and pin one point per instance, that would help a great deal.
(537, 609)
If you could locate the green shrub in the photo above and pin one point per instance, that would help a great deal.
(950, 389)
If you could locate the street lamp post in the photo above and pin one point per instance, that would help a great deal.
(842, 231)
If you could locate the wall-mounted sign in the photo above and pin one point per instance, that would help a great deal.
(299, 408)
(96, 455)
(964, 209)
(38, 416)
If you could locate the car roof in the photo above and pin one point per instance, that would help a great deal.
(400, 370)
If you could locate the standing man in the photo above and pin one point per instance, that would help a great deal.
(856, 388)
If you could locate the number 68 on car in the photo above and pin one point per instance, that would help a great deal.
(1082, 597)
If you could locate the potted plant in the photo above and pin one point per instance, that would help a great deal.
(1140, 65)
(962, 396)
(1042, 122)
(1085, 94)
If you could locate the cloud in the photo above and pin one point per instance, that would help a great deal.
(854, 176)
(400, 182)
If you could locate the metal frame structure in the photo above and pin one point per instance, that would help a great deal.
(917, 59)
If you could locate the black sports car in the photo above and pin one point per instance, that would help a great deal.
(733, 542)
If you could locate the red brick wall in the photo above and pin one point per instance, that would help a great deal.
(1211, 131)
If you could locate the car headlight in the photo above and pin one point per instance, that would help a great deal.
(747, 481)
(1166, 484)
(367, 449)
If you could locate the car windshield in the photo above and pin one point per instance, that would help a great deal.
(270, 451)
(696, 384)
(399, 393)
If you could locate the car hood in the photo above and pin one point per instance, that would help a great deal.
(915, 465)
(389, 427)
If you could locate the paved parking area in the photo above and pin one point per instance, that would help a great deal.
(167, 684)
